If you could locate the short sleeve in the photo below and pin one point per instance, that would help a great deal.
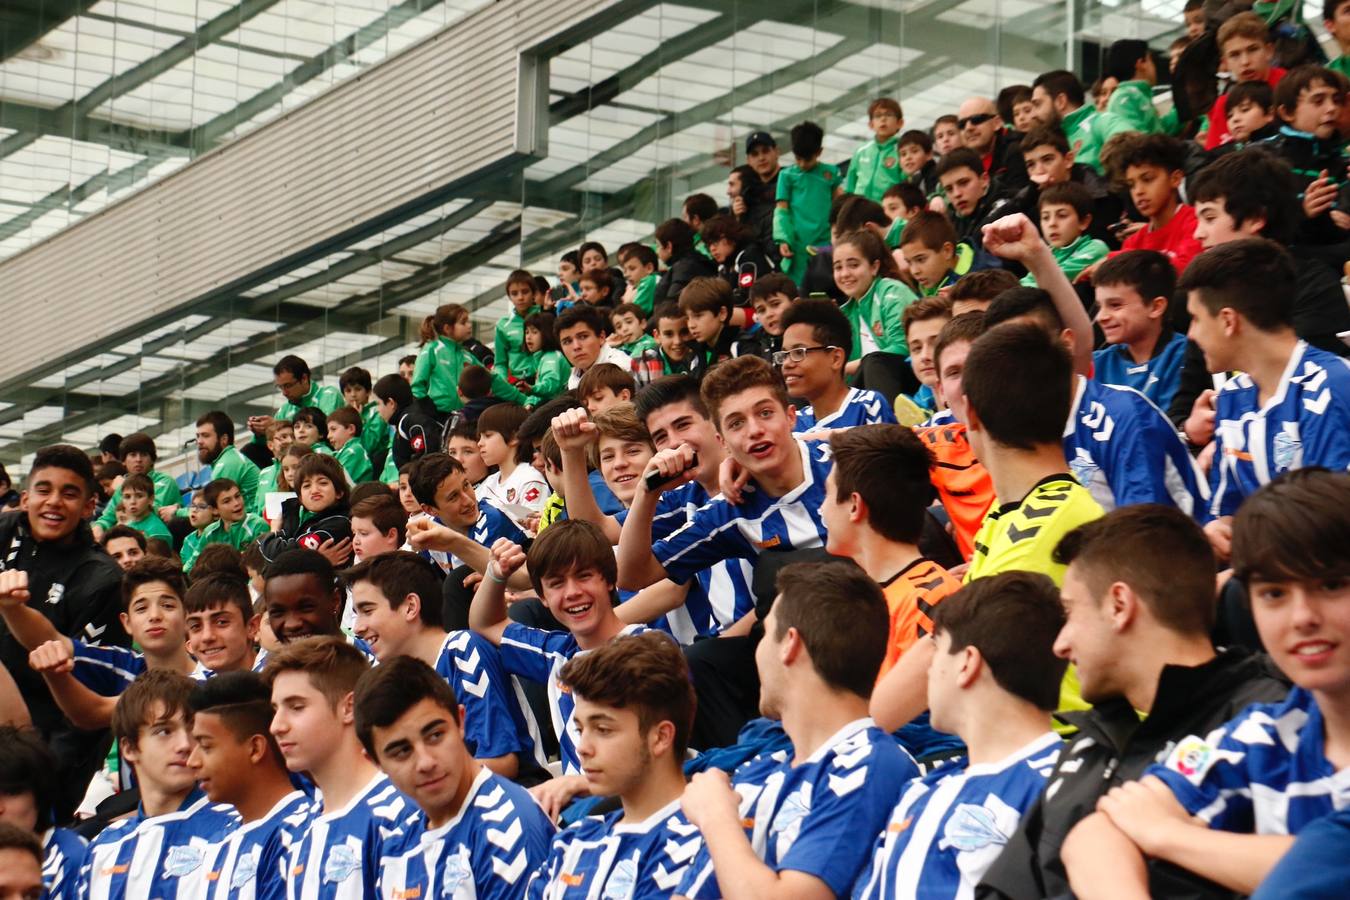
(1209, 777)
(531, 652)
(709, 537)
(481, 685)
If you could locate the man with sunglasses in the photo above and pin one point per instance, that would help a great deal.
(982, 130)
(816, 338)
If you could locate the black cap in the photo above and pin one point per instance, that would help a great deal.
(759, 139)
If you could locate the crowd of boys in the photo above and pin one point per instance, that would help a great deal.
(968, 520)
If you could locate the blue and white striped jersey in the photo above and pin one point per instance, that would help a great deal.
(1264, 772)
(600, 858)
(1315, 868)
(951, 825)
(338, 856)
(818, 817)
(497, 720)
(110, 670)
(1304, 423)
(718, 597)
(1125, 450)
(941, 417)
(492, 524)
(720, 594)
(860, 407)
(486, 852)
(539, 656)
(251, 863)
(63, 851)
(166, 857)
(719, 530)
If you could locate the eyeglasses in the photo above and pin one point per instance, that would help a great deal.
(978, 119)
(200, 507)
(796, 354)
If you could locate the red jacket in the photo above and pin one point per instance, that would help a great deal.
(1176, 239)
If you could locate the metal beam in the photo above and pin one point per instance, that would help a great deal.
(70, 196)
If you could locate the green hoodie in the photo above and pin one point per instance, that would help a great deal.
(875, 169)
(1131, 109)
(436, 374)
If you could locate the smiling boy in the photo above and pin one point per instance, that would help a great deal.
(222, 629)
(748, 404)
(397, 599)
(572, 569)
(816, 341)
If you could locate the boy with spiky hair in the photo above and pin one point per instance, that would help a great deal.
(634, 710)
(162, 849)
(237, 763)
(508, 338)
(222, 628)
(361, 814)
(479, 834)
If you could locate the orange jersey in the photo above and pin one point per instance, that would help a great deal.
(911, 596)
(963, 484)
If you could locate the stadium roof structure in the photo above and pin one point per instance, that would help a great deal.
(99, 100)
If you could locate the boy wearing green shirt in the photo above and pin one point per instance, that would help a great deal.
(512, 360)
(1066, 212)
(138, 494)
(356, 385)
(234, 525)
(137, 452)
(344, 432)
(1336, 18)
(639, 269)
(630, 327)
(215, 448)
(876, 164)
(436, 375)
(801, 221)
(1131, 104)
(280, 435)
(201, 514)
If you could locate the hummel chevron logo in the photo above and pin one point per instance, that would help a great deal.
(505, 838)
(510, 871)
(470, 664)
(459, 641)
(492, 799)
(682, 852)
(667, 881)
(1016, 534)
(1318, 405)
(477, 688)
(843, 785)
(853, 757)
(500, 813)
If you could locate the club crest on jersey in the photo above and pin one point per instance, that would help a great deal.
(877, 329)
(510, 495)
(888, 163)
(56, 593)
(1287, 447)
(310, 542)
(182, 861)
(972, 828)
(341, 863)
(621, 881)
(457, 873)
(1083, 467)
(244, 870)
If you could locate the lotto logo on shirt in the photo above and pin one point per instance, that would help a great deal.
(531, 495)
(419, 443)
(310, 542)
